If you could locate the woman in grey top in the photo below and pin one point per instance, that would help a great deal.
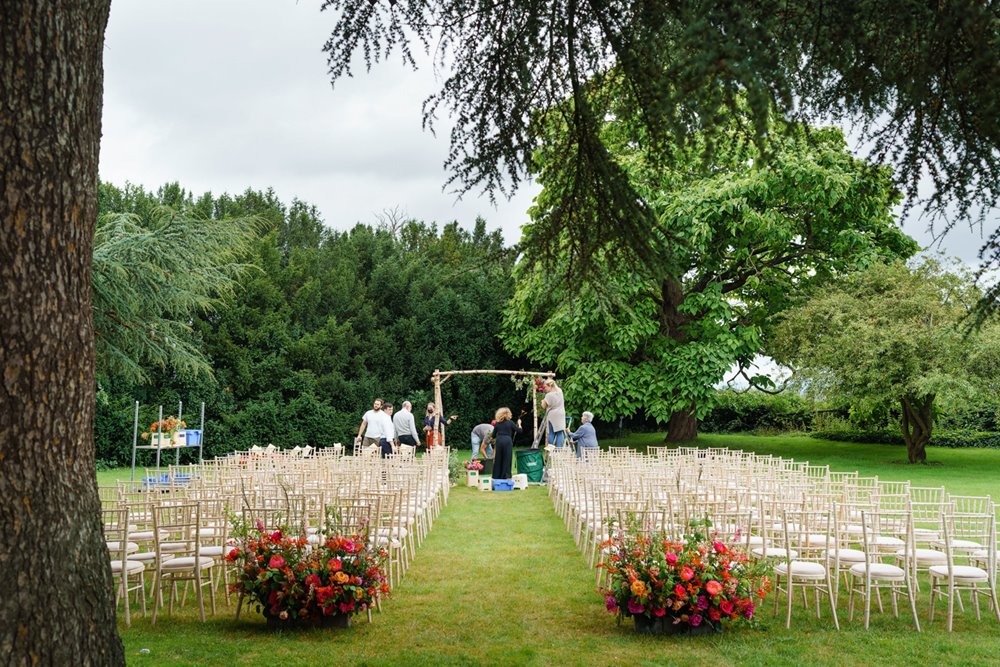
(555, 416)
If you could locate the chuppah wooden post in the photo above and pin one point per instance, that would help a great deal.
(438, 406)
(534, 412)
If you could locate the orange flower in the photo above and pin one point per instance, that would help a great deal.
(341, 577)
(639, 589)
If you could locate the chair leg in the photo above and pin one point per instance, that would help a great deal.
(850, 602)
(868, 600)
(951, 601)
(211, 587)
(910, 593)
(200, 594)
(124, 578)
(788, 613)
(833, 603)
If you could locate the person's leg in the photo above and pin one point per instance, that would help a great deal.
(556, 438)
(476, 441)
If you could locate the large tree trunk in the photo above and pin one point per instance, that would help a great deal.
(57, 606)
(682, 426)
(917, 422)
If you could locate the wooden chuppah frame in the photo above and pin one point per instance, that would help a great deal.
(440, 377)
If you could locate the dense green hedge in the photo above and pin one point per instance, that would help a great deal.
(744, 412)
(951, 439)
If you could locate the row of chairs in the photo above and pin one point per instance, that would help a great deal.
(179, 528)
(819, 527)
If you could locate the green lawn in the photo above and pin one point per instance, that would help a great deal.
(499, 581)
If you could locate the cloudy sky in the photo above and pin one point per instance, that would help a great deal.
(231, 94)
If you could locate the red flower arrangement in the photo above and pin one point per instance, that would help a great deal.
(292, 581)
(696, 584)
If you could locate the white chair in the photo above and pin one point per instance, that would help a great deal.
(874, 575)
(951, 579)
(176, 531)
(808, 535)
(123, 570)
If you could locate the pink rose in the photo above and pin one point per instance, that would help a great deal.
(276, 563)
(634, 607)
(659, 611)
(713, 587)
(687, 574)
(671, 558)
(695, 620)
(680, 591)
(726, 607)
(334, 565)
(720, 547)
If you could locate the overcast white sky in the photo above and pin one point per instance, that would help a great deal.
(231, 94)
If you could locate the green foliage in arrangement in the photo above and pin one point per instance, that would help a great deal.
(893, 341)
(325, 322)
(741, 239)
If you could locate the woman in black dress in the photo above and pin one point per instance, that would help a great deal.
(503, 435)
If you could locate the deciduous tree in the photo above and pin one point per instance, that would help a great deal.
(892, 340)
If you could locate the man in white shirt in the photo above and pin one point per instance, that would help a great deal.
(387, 432)
(368, 426)
(406, 428)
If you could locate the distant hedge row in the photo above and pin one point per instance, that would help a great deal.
(952, 439)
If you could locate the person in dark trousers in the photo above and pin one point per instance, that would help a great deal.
(503, 435)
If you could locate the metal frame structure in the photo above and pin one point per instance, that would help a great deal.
(159, 446)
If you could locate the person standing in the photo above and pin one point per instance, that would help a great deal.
(480, 441)
(406, 428)
(585, 437)
(388, 432)
(434, 424)
(368, 427)
(504, 431)
(555, 415)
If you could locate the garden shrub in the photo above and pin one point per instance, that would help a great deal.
(758, 412)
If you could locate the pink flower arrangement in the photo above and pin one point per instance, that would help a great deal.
(474, 464)
(699, 582)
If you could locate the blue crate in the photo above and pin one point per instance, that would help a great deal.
(192, 436)
(503, 485)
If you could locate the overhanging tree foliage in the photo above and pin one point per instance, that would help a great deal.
(916, 81)
(152, 275)
(742, 240)
(892, 341)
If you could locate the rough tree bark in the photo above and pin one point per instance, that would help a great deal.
(917, 422)
(57, 606)
(682, 425)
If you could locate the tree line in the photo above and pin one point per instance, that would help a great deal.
(310, 325)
